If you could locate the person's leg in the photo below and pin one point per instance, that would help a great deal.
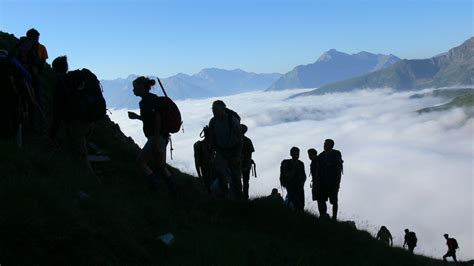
(246, 179)
(235, 167)
(454, 257)
(300, 198)
(160, 163)
(322, 208)
(76, 133)
(334, 201)
(206, 177)
(221, 170)
(144, 157)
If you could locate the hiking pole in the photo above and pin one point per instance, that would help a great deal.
(162, 88)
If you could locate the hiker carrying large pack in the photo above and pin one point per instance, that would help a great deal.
(247, 162)
(203, 158)
(452, 244)
(227, 142)
(33, 55)
(160, 117)
(328, 178)
(76, 95)
(14, 92)
(410, 240)
(293, 177)
(384, 236)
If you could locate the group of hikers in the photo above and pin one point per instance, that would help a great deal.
(223, 156)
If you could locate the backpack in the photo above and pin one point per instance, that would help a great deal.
(412, 238)
(85, 95)
(27, 51)
(286, 172)
(454, 243)
(170, 114)
(232, 114)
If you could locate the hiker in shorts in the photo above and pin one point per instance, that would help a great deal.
(329, 178)
(203, 158)
(247, 161)
(227, 142)
(154, 151)
(76, 131)
(410, 240)
(384, 236)
(293, 177)
(452, 244)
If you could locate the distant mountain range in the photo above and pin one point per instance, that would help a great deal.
(454, 68)
(209, 82)
(332, 66)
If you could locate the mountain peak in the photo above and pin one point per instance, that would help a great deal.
(330, 54)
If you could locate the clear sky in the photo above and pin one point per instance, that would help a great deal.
(165, 37)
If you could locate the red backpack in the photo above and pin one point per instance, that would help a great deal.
(170, 114)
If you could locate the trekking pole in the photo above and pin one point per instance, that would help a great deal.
(162, 88)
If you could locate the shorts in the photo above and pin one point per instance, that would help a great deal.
(156, 145)
(450, 253)
(323, 194)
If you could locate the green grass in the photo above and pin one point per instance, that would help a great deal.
(41, 225)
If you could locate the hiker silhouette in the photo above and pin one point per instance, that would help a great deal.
(328, 178)
(14, 96)
(247, 162)
(33, 55)
(275, 195)
(227, 142)
(293, 177)
(384, 236)
(154, 128)
(452, 244)
(313, 157)
(410, 240)
(203, 159)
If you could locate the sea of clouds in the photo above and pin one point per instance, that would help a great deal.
(402, 169)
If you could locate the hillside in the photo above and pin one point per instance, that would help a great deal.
(464, 101)
(209, 82)
(47, 220)
(332, 66)
(454, 68)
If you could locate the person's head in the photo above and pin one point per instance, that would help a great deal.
(274, 191)
(142, 85)
(295, 153)
(407, 231)
(33, 33)
(328, 144)
(312, 154)
(60, 65)
(218, 109)
(383, 228)
(446, 236)
(244, 129)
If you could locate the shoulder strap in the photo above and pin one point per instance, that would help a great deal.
(162, 88)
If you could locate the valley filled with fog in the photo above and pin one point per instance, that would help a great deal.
(402, 169)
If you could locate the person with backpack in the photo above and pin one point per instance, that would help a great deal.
(410, 240)
(384, 236)
(203, 158)
(33, 55)
(247, 162)
(452, 244)
(153, 116)
(329, 178)
(227, 143)
(65, 111)
(293, 177)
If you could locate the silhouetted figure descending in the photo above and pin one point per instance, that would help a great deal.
(247, 161)
(329, 178)
(293, 177)
(275, 195)
(385, 236)
(65, 110)
(315, 186)
(452, 244)
(410, 240)
(14, 96)
(33, 56)
(154, 151)
(203, 159)
(227, 142)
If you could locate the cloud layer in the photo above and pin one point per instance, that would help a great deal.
(402, 169)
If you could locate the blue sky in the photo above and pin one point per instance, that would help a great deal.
(121, 37)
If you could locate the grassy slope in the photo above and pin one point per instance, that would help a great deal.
(463, 101)
(41, 225)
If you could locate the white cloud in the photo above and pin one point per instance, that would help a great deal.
(402, 169)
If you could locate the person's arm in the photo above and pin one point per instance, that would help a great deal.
(238, 141)
(133, 115)
(157, 123)
(303, 174)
